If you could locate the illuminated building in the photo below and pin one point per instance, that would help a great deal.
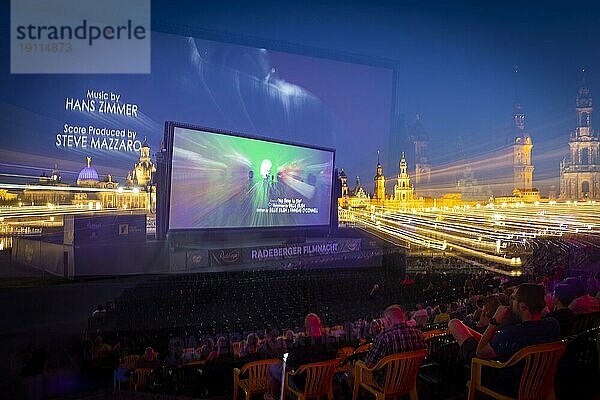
(403, 197)
(523, 169)
(92, 193)
(523, 190)
(343, 199)
(359, 197)
(88, 176)
(6, 197)
(580, 171)
(403, 191)
(379, 183)
(141, 175)
(44, 191)
(355, 198)
(344, 182)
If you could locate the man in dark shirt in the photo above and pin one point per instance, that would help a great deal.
(527, 304)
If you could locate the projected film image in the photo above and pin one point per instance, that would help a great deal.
(225, 181)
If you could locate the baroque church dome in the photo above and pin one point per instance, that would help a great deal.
(88, 173)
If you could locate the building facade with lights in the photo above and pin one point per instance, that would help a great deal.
(402, 197)
(580, 170)
(90, 192)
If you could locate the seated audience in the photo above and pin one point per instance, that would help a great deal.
(375, 328)
(100, 351)
(309, 348)
(273, 346)
(289, 338)
(527, 304)
(174, 358)
(148, 359)
(410, 320)
(397, 338)
(443, 315)
(420, 316)
(583, 303)
(563, 296)
(473, 318)
(490, 305)
(250, 347)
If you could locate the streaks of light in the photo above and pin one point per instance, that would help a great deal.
(499, 234)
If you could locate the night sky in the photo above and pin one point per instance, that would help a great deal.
(455, 61)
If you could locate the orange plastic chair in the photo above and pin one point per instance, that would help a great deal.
(139, 378)
(258, 377)
(537, 379)
(401, 371)
(434, 332)
(342, 354)
(363, 347)
(236, 347)
(125, 364)
(128, 361)
(319, 379)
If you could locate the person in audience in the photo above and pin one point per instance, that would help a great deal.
(421, 317)
(407, 281)
(250, 348)
(101, 351)
(148, 359)
(563, 296)
(527, 304)
(174, 358)
(289, 338)
(222, 347)
(410, 320)
(375, 328)
(309, 348)
(473, 318)
(489, 307)
(273, 346)
(583, 303)
(211, 351)
(443, 315)
(191, 342)
(397, 338)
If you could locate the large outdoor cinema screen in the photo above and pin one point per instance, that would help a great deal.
(223, 180)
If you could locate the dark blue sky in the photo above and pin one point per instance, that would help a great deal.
(455, 59)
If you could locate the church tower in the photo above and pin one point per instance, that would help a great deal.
(580, 171)
(403, 191)
(344, 183)
(379, 183)
(143, 170)
(522, 145)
